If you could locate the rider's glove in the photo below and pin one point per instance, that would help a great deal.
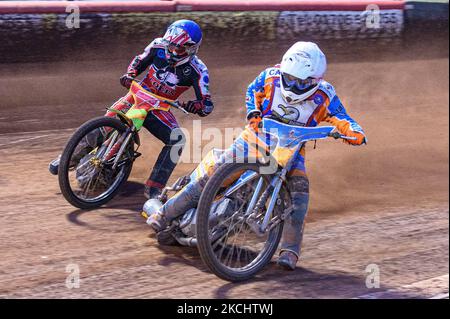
(195, 107)
(126, 79)
(254, 119)
(360, 138)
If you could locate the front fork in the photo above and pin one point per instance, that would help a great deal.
(278, 181)
(274, 188)
(118, 147)
(129, 133)
(258, 203)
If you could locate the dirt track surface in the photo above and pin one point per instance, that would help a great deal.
(385, 203)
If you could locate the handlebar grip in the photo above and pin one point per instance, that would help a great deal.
(337, 135)
(348, 138)
(176, 105)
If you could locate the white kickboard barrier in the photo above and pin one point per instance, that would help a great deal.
(340, 24)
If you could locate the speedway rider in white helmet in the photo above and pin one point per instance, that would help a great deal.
(302, 69)
(293, 92)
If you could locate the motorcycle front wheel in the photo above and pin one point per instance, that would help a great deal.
(227, 240)
(85, 180)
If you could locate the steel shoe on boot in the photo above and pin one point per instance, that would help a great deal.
(157, 221)
(287, 260)
(53, 166)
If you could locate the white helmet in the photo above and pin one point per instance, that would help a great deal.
(302, 69)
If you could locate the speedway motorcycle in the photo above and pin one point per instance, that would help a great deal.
(98, 158)
(238, 222)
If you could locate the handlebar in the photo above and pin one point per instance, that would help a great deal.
(173, 104)
(176, 105)
(337, 135)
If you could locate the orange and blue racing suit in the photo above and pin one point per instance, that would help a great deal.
(264, 98)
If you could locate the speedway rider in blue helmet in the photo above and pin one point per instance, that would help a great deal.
(173, 67)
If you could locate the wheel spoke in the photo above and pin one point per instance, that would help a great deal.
(92, 180)
(238, 246)
(227, 236)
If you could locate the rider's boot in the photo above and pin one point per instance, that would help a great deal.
(287, 260)
(158, 217)
(294, 225)
(157, 221)
(151, 192)
(53, 166)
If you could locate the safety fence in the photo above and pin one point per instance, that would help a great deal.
(25, 24)
(283, 18)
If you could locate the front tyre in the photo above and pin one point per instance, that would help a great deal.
(227, 240)
(84, 180)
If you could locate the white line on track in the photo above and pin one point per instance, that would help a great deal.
(433, 288)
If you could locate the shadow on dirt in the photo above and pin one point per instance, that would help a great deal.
(129, 199)
(301, 282)
(181, 255)
(130, 189)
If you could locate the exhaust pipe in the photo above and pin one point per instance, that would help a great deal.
(190, 241)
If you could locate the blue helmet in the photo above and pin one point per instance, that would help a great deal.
(182, 40)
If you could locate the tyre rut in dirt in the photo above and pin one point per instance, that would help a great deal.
(63, 171)
(203, 211)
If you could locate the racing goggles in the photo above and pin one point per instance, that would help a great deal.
(177, 50)
(295, 84)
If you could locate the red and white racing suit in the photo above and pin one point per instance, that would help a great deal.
(167, 81)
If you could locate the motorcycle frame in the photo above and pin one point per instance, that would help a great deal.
(279, 178)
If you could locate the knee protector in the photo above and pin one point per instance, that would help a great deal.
(299, 189)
